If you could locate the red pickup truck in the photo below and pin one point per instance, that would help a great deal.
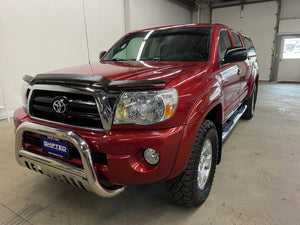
(156, 107)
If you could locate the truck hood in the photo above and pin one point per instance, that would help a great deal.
(134, 70)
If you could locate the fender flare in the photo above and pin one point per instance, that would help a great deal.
(194, 119)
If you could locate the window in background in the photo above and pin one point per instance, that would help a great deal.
(291, 48)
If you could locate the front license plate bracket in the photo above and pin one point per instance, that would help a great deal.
(55, 147)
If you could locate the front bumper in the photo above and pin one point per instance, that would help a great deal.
(123, 149)
(84, 178)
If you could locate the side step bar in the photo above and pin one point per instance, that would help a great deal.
(230, 124)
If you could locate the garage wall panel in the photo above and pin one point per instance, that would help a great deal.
(290, 17)
(289, 26)
(38, 36)
(2, 103)
(259, 22)
(202, 14)
(145, 13)
(290, 8)
(105, 24)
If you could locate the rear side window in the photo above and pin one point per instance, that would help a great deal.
(224, 43)
(237, 40)
(249, 43)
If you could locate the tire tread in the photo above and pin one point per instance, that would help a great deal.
(183, 189)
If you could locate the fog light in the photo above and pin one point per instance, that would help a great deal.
(151, 156)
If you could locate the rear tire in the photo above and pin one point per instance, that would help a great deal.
(251, 102)
(191, 188)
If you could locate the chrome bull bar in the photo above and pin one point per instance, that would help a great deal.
(84, 178)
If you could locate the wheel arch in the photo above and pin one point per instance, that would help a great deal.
(215, 114)
(252, 80)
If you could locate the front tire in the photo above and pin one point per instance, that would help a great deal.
(191, 188)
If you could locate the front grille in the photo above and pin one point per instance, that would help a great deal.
(81, 110)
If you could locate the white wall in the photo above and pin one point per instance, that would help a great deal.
(289, 17)
(156, 13)
(202, 14)
(105, 24)
(290, 8)
(42, 35)
(37, 36)
(289, 26)
(259, 22)
(2, 103)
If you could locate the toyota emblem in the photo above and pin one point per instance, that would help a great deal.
(59, 105)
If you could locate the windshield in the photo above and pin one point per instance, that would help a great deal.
(176, 44)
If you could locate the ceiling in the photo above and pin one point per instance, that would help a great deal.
(192, 4)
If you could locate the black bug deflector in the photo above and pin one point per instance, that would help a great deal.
(94, 81)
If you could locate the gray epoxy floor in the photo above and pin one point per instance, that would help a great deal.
(257, 182)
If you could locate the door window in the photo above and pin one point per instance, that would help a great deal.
(224, 43)
(249, 46)
(237, 40)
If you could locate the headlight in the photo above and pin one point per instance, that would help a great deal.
(147, 107)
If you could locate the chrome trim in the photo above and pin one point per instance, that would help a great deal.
(54, 122)
(52, 162)
(29, 87)
(234, 122)
(232, 112)
(56, 167)
(204, 166)
(105, 111)
(101, 98)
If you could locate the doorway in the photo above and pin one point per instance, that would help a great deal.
(287, 64)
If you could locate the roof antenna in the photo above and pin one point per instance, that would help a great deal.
(86, 34)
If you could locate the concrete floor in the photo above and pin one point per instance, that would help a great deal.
(257, 182)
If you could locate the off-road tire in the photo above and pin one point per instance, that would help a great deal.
(251, 102)
(184, 189)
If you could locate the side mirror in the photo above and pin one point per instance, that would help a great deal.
(235, 54)
(102, 53)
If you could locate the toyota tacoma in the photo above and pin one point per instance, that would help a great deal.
(156, 107)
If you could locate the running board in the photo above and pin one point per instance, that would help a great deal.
(233, 121)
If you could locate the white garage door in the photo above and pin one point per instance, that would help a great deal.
(258, 22)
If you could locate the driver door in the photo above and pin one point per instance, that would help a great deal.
(230, 75)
